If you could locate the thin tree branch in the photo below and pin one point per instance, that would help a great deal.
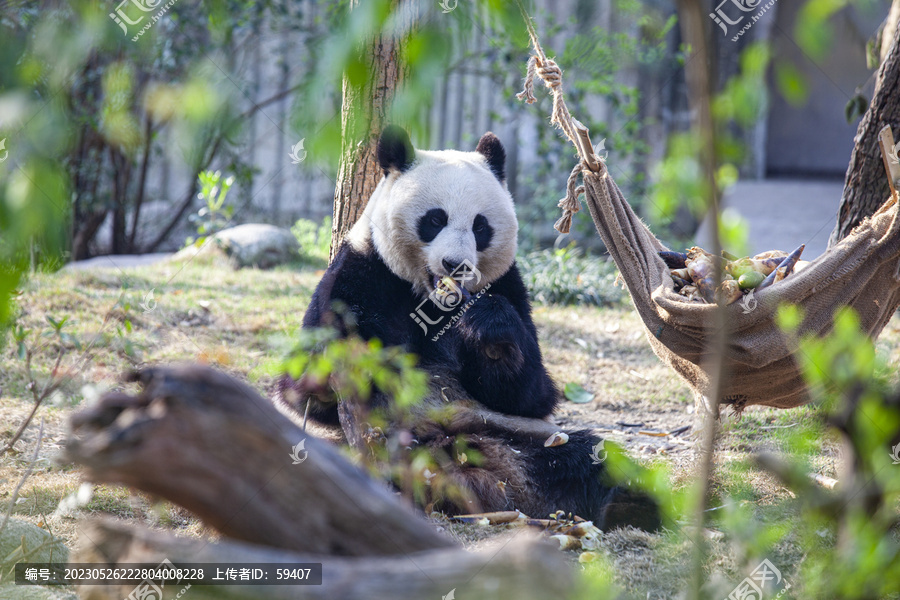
(51, 386)
(260, 105)
(145, 163)
(15, 494)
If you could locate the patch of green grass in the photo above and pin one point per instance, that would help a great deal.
(795, 430)
(41, 499)
(160, 313)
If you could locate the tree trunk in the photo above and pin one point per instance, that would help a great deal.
(121, 179)
(866, 185)
(364, 114)
(85, 232)
(889, 31)
(208, 442)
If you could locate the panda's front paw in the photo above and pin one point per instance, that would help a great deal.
(505, 355)
(492, 328)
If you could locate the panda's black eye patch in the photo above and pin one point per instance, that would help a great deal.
(483, 232)
(431, 224)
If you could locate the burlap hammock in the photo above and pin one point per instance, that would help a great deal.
(862, 272)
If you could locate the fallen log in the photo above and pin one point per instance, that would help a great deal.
(526, 567)
(210, 443)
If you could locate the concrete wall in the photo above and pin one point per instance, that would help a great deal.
(814, 139)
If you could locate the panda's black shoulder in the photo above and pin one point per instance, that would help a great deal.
(366, 287)
(512, 287)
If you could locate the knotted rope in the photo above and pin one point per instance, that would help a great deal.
(547, 69)
(570, 204)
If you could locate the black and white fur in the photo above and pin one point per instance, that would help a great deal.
(432, 212)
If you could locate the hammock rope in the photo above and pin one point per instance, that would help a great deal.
(862, 272)
(539, 65)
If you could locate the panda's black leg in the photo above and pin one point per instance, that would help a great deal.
(573, 478)
(501, 360)
(305, 402)
(516, 471)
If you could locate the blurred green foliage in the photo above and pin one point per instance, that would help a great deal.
(840, 544)
(92, 104)
(216, 215)
(314, 240)
(849, 536)
(679, 183)
(568, 276)
(352, 370)
(354, 367)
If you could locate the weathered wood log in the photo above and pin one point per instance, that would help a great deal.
(522, 568)
(210, 443)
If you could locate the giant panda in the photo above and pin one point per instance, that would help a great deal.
(430, 267)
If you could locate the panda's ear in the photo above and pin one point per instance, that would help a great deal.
(395, 151)
(490, 147)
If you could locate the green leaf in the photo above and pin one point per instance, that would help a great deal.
(792, 83)
(856, 108)
(577, 394)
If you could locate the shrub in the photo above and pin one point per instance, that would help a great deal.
(314, 239)
(567, 276)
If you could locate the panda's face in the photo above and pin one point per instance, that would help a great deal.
(441, 213)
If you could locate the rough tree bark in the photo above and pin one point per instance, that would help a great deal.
(525, 569)
(866, 185)
(889, 28)
(366, 110)
(209, 443)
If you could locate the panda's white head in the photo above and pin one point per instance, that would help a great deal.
(435, 211)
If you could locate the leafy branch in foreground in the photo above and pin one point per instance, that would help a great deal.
(849, 533)
(22, 553)
(352, 372)
(26, 352)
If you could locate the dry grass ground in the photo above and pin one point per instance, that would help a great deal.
(240, 321)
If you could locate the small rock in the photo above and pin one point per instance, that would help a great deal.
(21, 535)
(251, 245)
